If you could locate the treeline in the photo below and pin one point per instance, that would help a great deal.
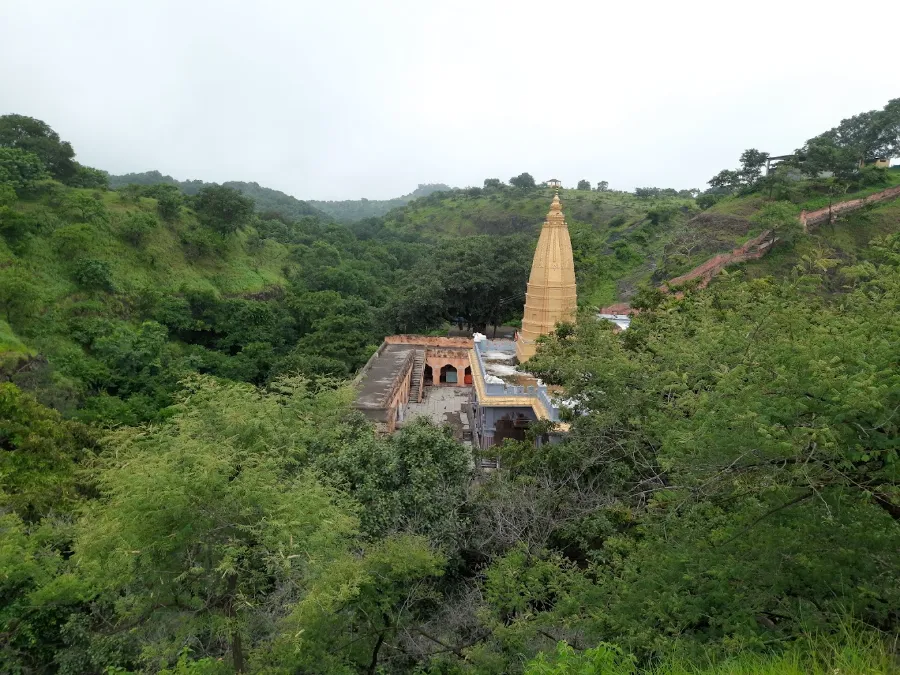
(840, 160)
(266, 200)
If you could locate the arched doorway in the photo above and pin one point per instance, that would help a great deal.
(428, 377)
(448, 375)
(467, 375)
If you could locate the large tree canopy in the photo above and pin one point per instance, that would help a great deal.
(35, 136)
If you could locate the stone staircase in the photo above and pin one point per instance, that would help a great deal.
(418, 372)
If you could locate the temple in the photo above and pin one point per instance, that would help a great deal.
(473, 384)
(550, 298)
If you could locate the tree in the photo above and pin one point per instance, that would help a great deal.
(414, 481)
(523, 180)
(583, 185)
(20, 169)
(35, 136)
(602, 186)
(93, 274)
(492, 183)
(222, 208)
(203, 517)
(86, 177)
(727, 180)
(752, 163)
(85, 207)
(41, 451)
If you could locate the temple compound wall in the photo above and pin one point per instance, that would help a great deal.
(397, 373)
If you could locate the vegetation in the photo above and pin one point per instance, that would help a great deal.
(266, 201)
(185, 487)
(351, 210)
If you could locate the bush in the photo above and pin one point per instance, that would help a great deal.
(707, 199)
(93, 274)
(136, 226)
(169, 206)
(197, 243)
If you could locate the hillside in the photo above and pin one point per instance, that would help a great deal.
(619, 240)
(352, 210)
(266, 199)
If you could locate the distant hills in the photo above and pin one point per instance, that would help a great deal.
(267, 199)
(351, 210)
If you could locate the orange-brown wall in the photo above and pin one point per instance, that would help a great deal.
(429, 341)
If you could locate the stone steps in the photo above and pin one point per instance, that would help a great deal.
(415, 389)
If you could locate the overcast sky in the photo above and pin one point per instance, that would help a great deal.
(338, 99)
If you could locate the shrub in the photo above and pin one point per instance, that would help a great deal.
(136, 226)
(93, 274)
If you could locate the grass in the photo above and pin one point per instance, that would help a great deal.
(854, 652)
(12, 349)
(822, 201)
(842, 240)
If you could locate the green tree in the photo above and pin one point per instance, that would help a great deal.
(87, 177)
(85, 207)
(491, 183)
(93, 274)
(35, 136)
(584, 184)
(602, 186)
(222, 208)
(523, 180)
(19, 169)
(202, 517)
(752, 163)
(414, 481)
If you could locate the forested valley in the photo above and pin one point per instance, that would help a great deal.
(185, 487)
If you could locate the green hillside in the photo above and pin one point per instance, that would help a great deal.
(265, 199)
(619, 240)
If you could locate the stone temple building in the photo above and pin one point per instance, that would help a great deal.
(476, 385)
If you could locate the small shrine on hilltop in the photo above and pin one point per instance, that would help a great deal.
(551, 295)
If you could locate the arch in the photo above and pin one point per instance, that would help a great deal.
(428, 376)
(467, 375)
(449, 374)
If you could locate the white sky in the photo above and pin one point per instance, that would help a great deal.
(340, 99)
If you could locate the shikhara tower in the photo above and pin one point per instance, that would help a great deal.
(550, 298)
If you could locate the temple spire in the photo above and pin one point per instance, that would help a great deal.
(551, 296)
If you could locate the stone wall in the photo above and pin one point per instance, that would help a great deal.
(428, 341)
(751, 250)
(829, 213)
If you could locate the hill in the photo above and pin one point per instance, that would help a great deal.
(351, 210)
(265, 199)
(619, 240)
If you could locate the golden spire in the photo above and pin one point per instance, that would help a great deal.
(551, 296)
